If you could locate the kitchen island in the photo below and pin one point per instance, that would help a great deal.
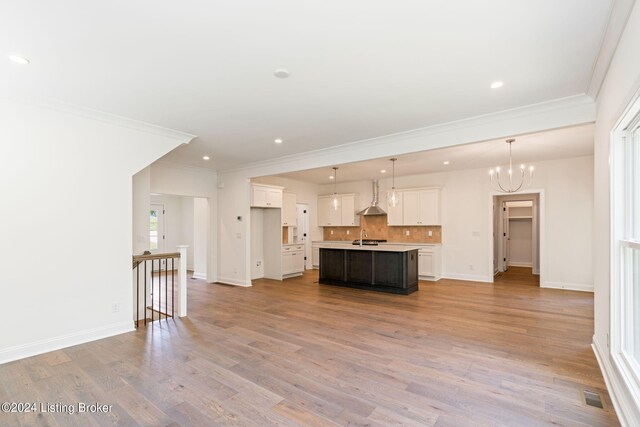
(384, 268)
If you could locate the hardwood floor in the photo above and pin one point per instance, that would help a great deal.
(297, 353)
(517, 276)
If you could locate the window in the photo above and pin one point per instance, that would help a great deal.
(156, 227)
(625, 292)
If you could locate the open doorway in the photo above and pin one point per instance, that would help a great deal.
(516, 239)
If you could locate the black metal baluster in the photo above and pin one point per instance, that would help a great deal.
(137, 294)
(145, 292)
(172, 282)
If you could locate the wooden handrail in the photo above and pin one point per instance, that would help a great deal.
(156, 256)
(137, 259)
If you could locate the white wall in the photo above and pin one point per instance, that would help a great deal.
(167, 178)
(188, 227)
(200, 232)
(621, 84)
(520, 241)
(66, 182)
(467, 218)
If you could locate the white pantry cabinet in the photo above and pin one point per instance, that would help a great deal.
(266, 196)
(289, 211)
(345, 215)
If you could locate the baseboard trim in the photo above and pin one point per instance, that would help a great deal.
(467, 277)
(583, 287)
(199, 276)
(520, 264)
(63, 341)
(234, 282)
(628, 412)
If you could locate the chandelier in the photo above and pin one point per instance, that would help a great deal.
(508, 185)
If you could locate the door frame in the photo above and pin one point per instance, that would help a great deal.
(307, 241)
(542, 240)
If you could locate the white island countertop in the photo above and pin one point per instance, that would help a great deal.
(378, 248)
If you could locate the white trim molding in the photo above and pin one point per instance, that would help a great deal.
(195, 275)
(583, 287)
(113, 119)
(234, 282)
(51, 344)
(554, 114)
(625, 402)
(468, 277)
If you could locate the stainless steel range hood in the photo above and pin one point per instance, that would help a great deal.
(373, 209)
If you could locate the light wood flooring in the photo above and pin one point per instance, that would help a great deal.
(297, 353)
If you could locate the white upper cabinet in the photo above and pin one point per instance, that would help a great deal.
(415, 207)
(348, 215)
(344, 215)
(265, 196)
(394, 214)
(289, 210)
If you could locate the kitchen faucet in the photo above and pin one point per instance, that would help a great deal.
(362, 231)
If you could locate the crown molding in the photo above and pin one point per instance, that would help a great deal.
(183, 167)
(554, 114)
(616, 24)
(112, 119)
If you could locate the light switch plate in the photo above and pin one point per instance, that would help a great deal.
(430, 233)
(407, 232)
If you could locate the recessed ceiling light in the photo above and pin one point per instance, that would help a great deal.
(19, 59)
(281, 73)
(205, 157)
(446, 162)
(331, 177)
(496, 85)
(383, 171)
(278, 141)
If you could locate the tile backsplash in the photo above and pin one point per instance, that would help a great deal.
(377, 228)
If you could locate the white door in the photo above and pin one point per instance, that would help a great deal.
(335, 215)
(394, 214)
(302, 231)
(259, 197)
(156, 228)
(324, 208)
(429, 208)
(505, 236)
(425, 264)
(348, 213)
(411, 208)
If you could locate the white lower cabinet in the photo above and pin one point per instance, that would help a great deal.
(292, 260)
(429, 263)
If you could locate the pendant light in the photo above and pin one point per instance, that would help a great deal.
(393, 197)
(335, 202)
(509, 187)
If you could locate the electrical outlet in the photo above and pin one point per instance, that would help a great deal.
(430, 233)
(471, 267)
(407, 232)
(348, 232)
(115, 307)
(235, 271)
(332, 232)
(258, 264)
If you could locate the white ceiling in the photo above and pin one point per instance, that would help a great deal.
(359, 69)
(557, 144)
